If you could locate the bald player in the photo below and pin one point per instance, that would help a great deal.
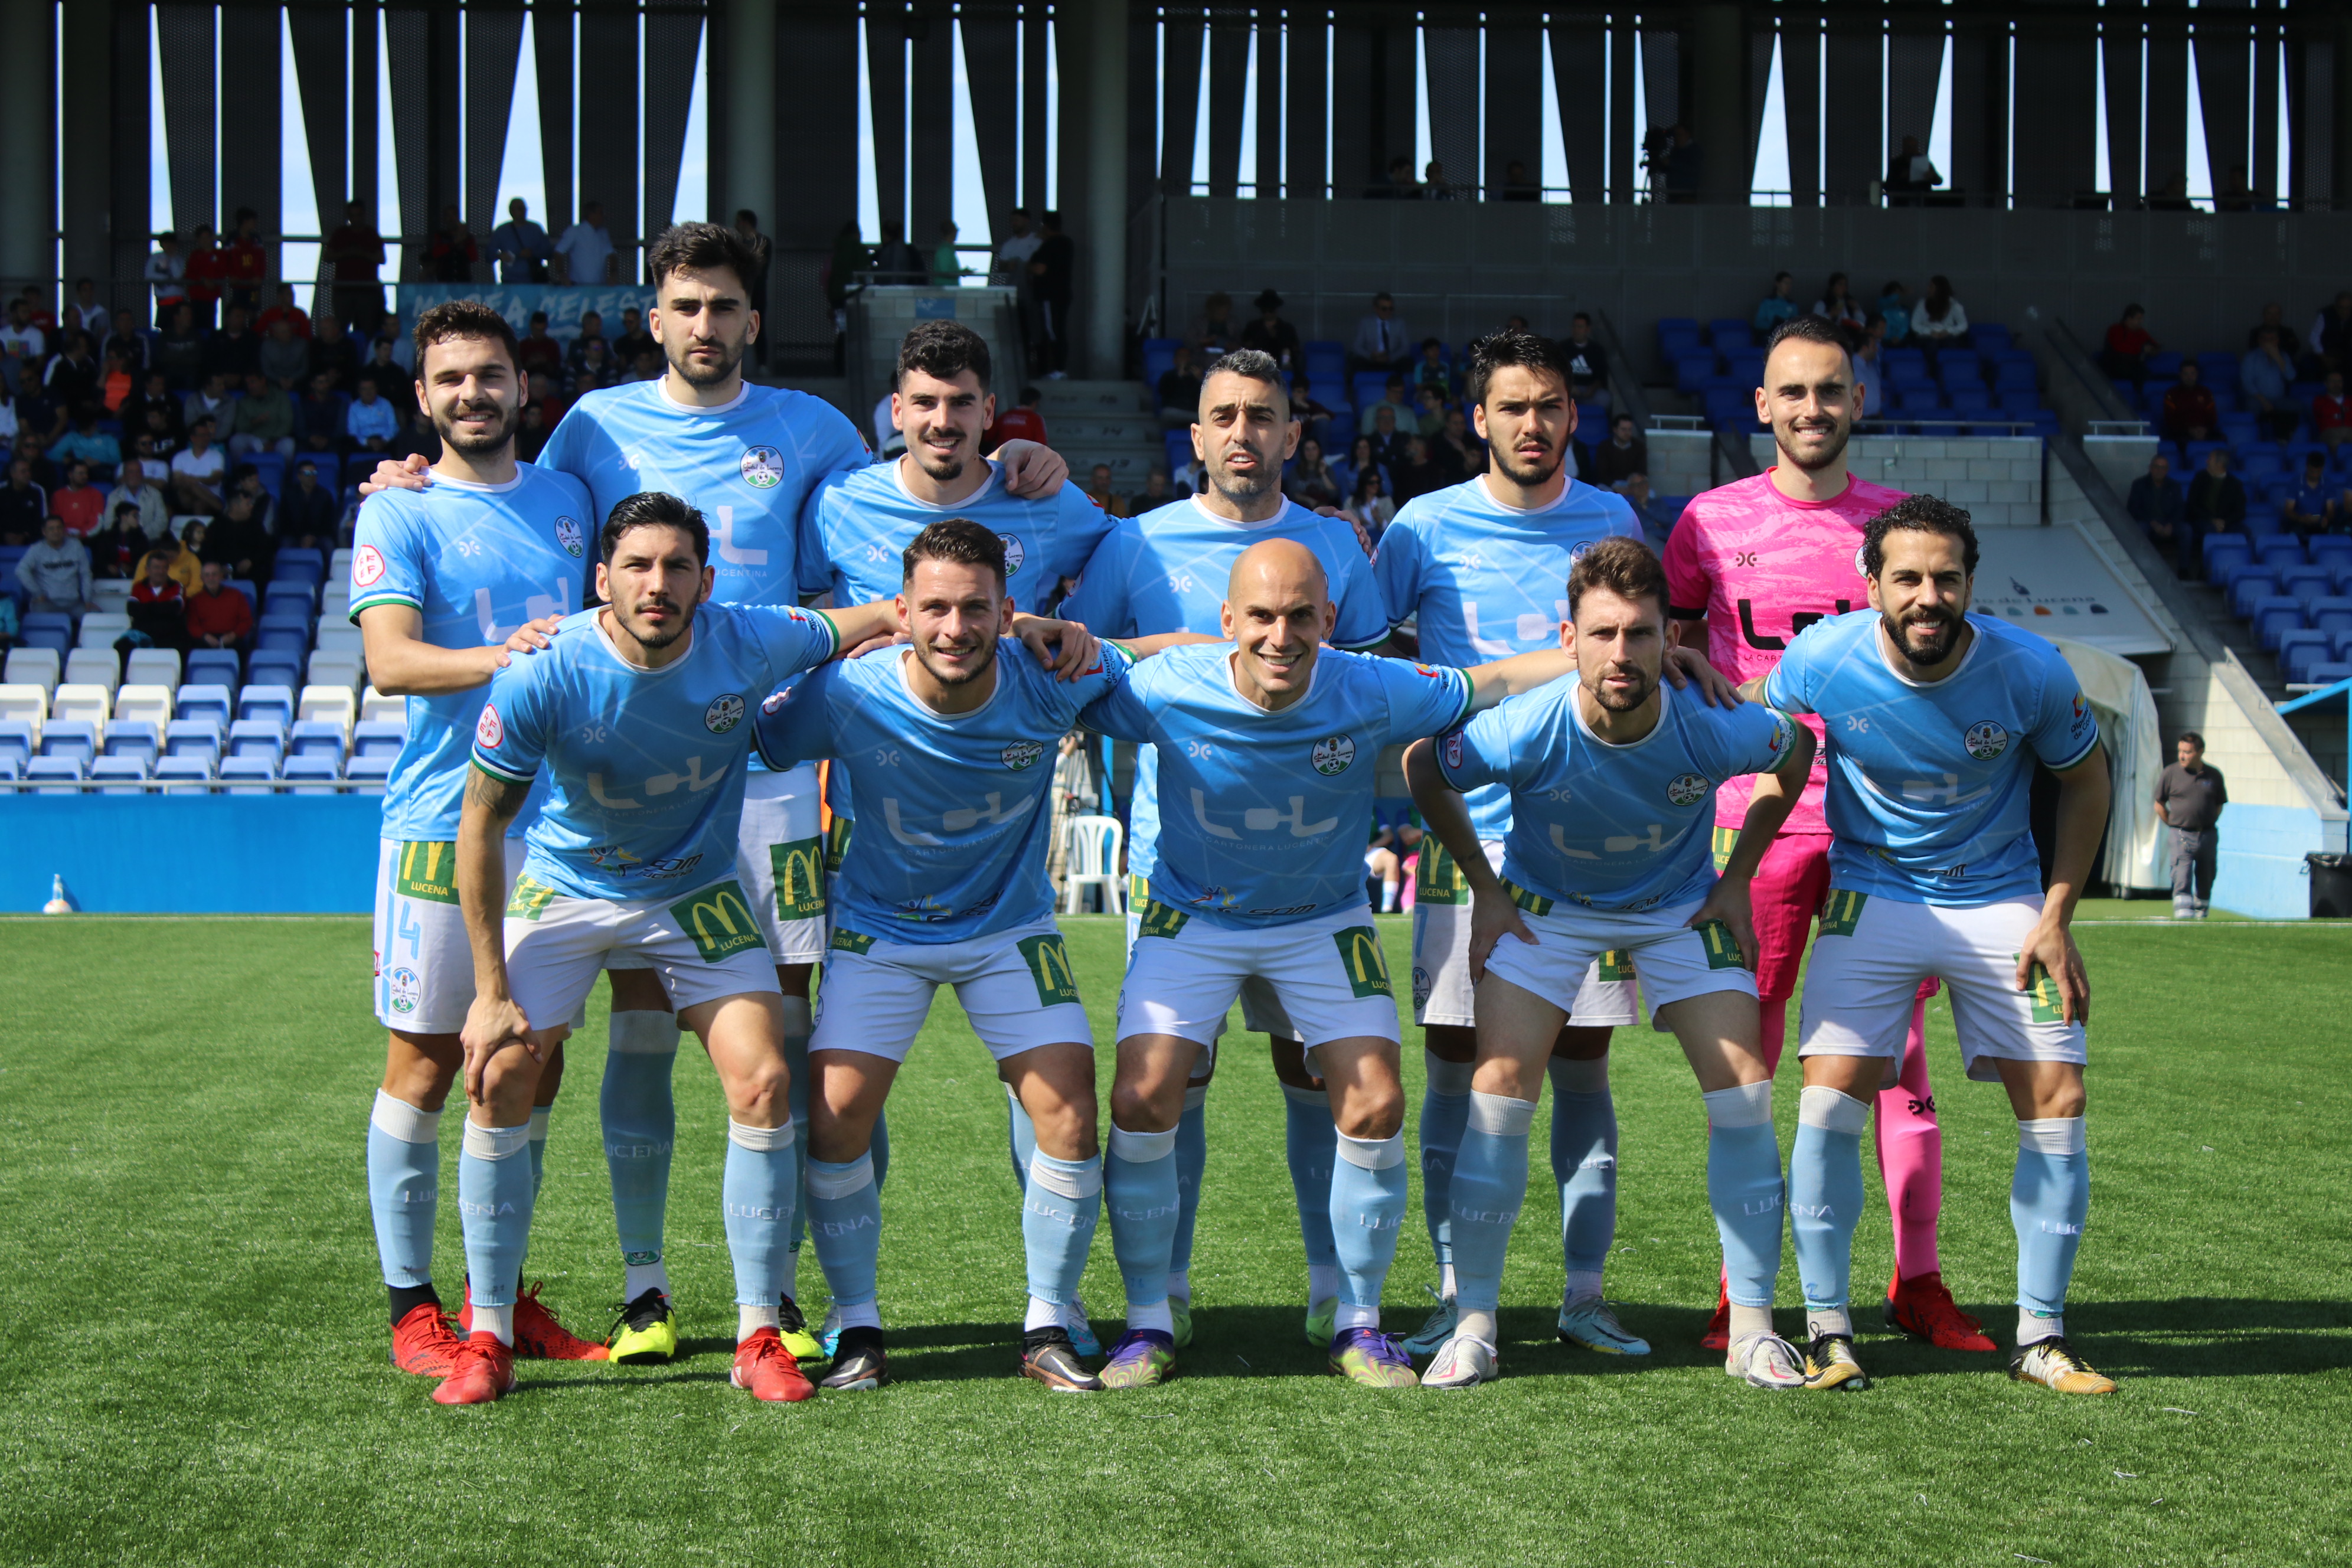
(1267, 744)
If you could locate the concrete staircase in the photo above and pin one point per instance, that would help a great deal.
(1113, 422)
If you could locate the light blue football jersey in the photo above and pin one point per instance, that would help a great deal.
(1484, 581)
(956, 809)
(749, 467)
(1606, 826)
(1167, 571)
(1271, 811)
(855, 535)
(1928, 782)
(476, 562)
(645, 765)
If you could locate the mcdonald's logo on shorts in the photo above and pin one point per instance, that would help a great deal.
(1156, 918)
(719, 920)
(529, 900)
(1361, 956)
(1533, 903)
(848, 941)
(799, 869)
(1842, 911)
(2049, 1007)
(1725, 837)
(426, 869)
(1049, 966)
(1616, 965)
(1437, 880)
(836, 841)
(1722, 946)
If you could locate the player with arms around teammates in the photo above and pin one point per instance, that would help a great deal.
(1936, 718)
(1267, 753)
(750, 458)
(1166, 571)
(1748, 566)
(953, 739)
(447, 585)
(1610, 781)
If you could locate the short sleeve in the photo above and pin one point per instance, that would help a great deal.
(813, 551)
(566, 445)
(1107, 674)
(1120, 712)
(1363, 612)
(1424, 698)
(1688, 588)
(1756, 738)
(1100, 602)
(795, 722)
(1480, 751)
(385, 564)
(794, 639)
(1080, 525)
(1791, 685)
(511, 736)
(2064, 728)
(1396, 572)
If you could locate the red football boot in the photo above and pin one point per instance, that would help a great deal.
(1922, 1307)
(422, 1341)
(1716, 1336)
(764, 1366)
(537, 1335)
(484, 1372)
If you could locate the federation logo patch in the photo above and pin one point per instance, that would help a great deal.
(763, 468)
(1688, 789)
(1450, 747)
(774, 700)
(405, 989)
(1013, 552)
(723, 714)
(367, 566)
(489, 731)
(1784, 734)
(1985, 740)
(1019, 754)
(1333, 753)
(568, 534)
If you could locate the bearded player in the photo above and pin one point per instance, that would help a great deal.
(1749, 566)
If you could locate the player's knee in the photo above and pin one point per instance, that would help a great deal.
(1370, 1113)
(1142, 1106)
(1065, 1124)
(760, 1096)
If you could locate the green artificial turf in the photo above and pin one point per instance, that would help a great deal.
(193, 1355)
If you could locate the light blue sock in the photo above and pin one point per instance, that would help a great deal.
(756, 1193)
(639, 1118)
(1444, 1107)
(1368, 1203)
(1058, 1213)
(494, 1200)
(1021, 1134)
(845, 1223)
(2049, 1198)
(1490, 1184)
(1312, 1145)
(1139, 1193)
(1192, 1160)
(1825, 1194)
(1584, 1161)
(1743, 1188)
(403, 1171)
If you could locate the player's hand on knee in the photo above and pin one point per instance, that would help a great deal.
(1686, 666)
(397, 474)
(1491, 918)
(492, 1024)
(1031, 470)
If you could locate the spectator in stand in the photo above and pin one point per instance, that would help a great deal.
(380, 364)
(71, 378)
(2129, 346)
(2274, 316)
(597, 367)
(1383, 341)
(1097, 489)
(1910, 175)
(33, 446)
(23, 503)
(218, 615)
(247, 479)
(1457, 451)
(2331, 335)
(1055, 269)
(896, 262)
(2216, 504)
(244, 265)
(1389, 442)
(1310, 481)
(1518, 185)
(1369, 501)
(1398, 186)
(537, 354)
(544, 397)
(320, 421)
(284, 309)
(1214, 332)
(262, 420)
(1686, 165)
(1417, 473)
(137, 489)
(207, 272)
(238, 540)
(1402, 412)
(84, 313)
(21, 347)
(2312, 507)
(199, 471)
(180, 553)
(1657, 521)
(1010, 268)
(161, 444)
(332, 350)
(586, 248)
(178, 354)
(1428, 411)
(1432, 371)
(155, 392)
(114, 383)
(1155, 494)
(213, 400)
(1022, 422)
(125, 338)
(1314, 415)
(647, 366)
(522, 246)
(2189, 411)
(2331, 412)
(87, 443)
(354, 255)
(285, 358)
(634, 340)
(1838, 306)
(79, 502)
(531, 431)
(309, 512)
(120, 546)
(2262, 376)
(1623, 456)
(8, 422)
(1361, 454)
(370, 422)
(450, 253)
(947, 267)
(1941, 321)
(164, 270)
(1271, 335)
(1179, 391)
(1436, 187)
(1777, 306)
(158, 607)
(1895, 309)
(2156, 501)
(1588, 364)
(55, 571)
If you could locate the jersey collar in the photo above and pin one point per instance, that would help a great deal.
(1976, 641)
(1276, 520)
(899, 480)
(694, 640)
(898, 669)
(1314, 681)
(476, 488)
(662, 396)
(1665, 707)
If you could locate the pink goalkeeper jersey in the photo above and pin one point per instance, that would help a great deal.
(1761, 568)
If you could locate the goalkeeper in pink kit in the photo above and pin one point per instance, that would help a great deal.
(1748, 565)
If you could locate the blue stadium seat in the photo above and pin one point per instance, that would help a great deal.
(283, 600)
(2248, 584)
(57, 770)
(251, 776)
(2218, 368)
(2306, 583)
(321, 776)
(1326, 361)
(1970, 400)
(127, 773)
(2330, 673)
(267, 702)
(281, 633)
(211, 666)
(70, 738)
(1727, 333)
(2164, 362)
(1990, 336)
(317, 738)
(1693, 371)
(2274, 616)
(276, 667)
(367, 774)
(132, 739)
(194, 768)
(380, 737)
(2330, 614)
(2280, 550)
(2020, 402)
(1919, 400)
(295, 566)
(193, 737)
(49, 637)
(2224, 550)
(2339, 643)
(257, 738)
(2261, 524)
(17, 742)
(251, 591)
(2299, 649)
(212, 702)
(2195, 452)
(2331, 550)
(2010, 374)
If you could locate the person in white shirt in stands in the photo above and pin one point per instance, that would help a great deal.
(372, 421)
(198, 470)
(587, 249)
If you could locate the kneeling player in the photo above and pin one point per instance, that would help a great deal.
(1935, 719)
(637, 711)
(953, 738)
(1612, 787)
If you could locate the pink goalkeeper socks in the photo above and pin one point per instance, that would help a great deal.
(1911, 1155)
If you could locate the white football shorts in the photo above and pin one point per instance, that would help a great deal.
(704, 946)
(1676, 961)
(1016, 986)
(1327, 974)
(1443, 990)
(780, 862)
(424, 965)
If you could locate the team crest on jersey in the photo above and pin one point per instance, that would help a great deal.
(404, 991)
(1019, 754)
(1688, 789)
(723, 714)
(1013, 552)
(1333, 753)
(489, 731)
(568, 534)
(367, 566)
(1985, 740)
(763, 468)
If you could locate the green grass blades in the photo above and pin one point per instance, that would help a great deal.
(192, 1361)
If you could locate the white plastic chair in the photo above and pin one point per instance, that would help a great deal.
(81, 704)
(37, 667)
(375, 708)
(1093, 859)
(110, 594)
(336, 669)
(93, 666)
(332, 639)
(148, 705)
(101, 627)
(331, 704)
(24, 703)
(152, 666)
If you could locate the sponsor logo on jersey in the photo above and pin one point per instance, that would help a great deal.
(763, 468)
(723, 714)
(719, 921)
(488, 730)
(405, 989)
(1333, 753)
(367, 566)
(1019, 754)
(1014, 554)
(1859, 569)
(568, 534)
(1985, 740)
(1688, 789)
(1784, 733)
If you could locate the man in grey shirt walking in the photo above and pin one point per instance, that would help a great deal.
(2189, 795)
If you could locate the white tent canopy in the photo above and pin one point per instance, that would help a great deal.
(2126, 709)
